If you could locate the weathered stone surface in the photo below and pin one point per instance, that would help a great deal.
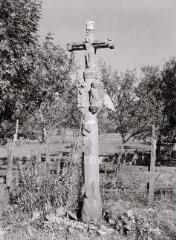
(90, 99)
(91, 211)
(35, 215)
(60, 212)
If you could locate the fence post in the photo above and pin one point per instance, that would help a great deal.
(152, 166)
(9, 173)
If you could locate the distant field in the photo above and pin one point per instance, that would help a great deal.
(137, 177)
(109, 144)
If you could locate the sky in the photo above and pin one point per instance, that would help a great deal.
(143, 31)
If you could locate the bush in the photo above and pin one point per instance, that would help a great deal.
(155, 222)
(43, 191)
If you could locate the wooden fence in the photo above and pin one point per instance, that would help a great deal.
(109, 144)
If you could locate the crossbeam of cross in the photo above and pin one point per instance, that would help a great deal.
(96, 44)
(90, 45)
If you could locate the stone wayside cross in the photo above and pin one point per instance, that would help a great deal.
(91, 95)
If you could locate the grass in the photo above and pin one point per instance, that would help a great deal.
(125, 208)
(157, 221)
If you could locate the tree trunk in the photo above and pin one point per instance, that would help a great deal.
(120, 157)
(152, 166)
(173, 141)
(9, 175)
(45, 137)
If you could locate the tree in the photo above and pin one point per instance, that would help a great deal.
(121, 87)
(159, 87)
(168, 86)
(51, 101)
(138, 102)
(150, 102)
(19, 23)
(168, 92)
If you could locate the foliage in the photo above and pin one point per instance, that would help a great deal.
(34, 77)
(138, 102)
(40, 190)
(158, 90)
(19, 24)
(168, 88)
(150, 100)
(51, 98)
(120, 87)
(126, 209)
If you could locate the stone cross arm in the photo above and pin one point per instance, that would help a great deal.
(96, 44)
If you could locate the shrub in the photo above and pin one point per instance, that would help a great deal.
(43, 191)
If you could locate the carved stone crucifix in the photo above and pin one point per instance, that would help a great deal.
(91, 95)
